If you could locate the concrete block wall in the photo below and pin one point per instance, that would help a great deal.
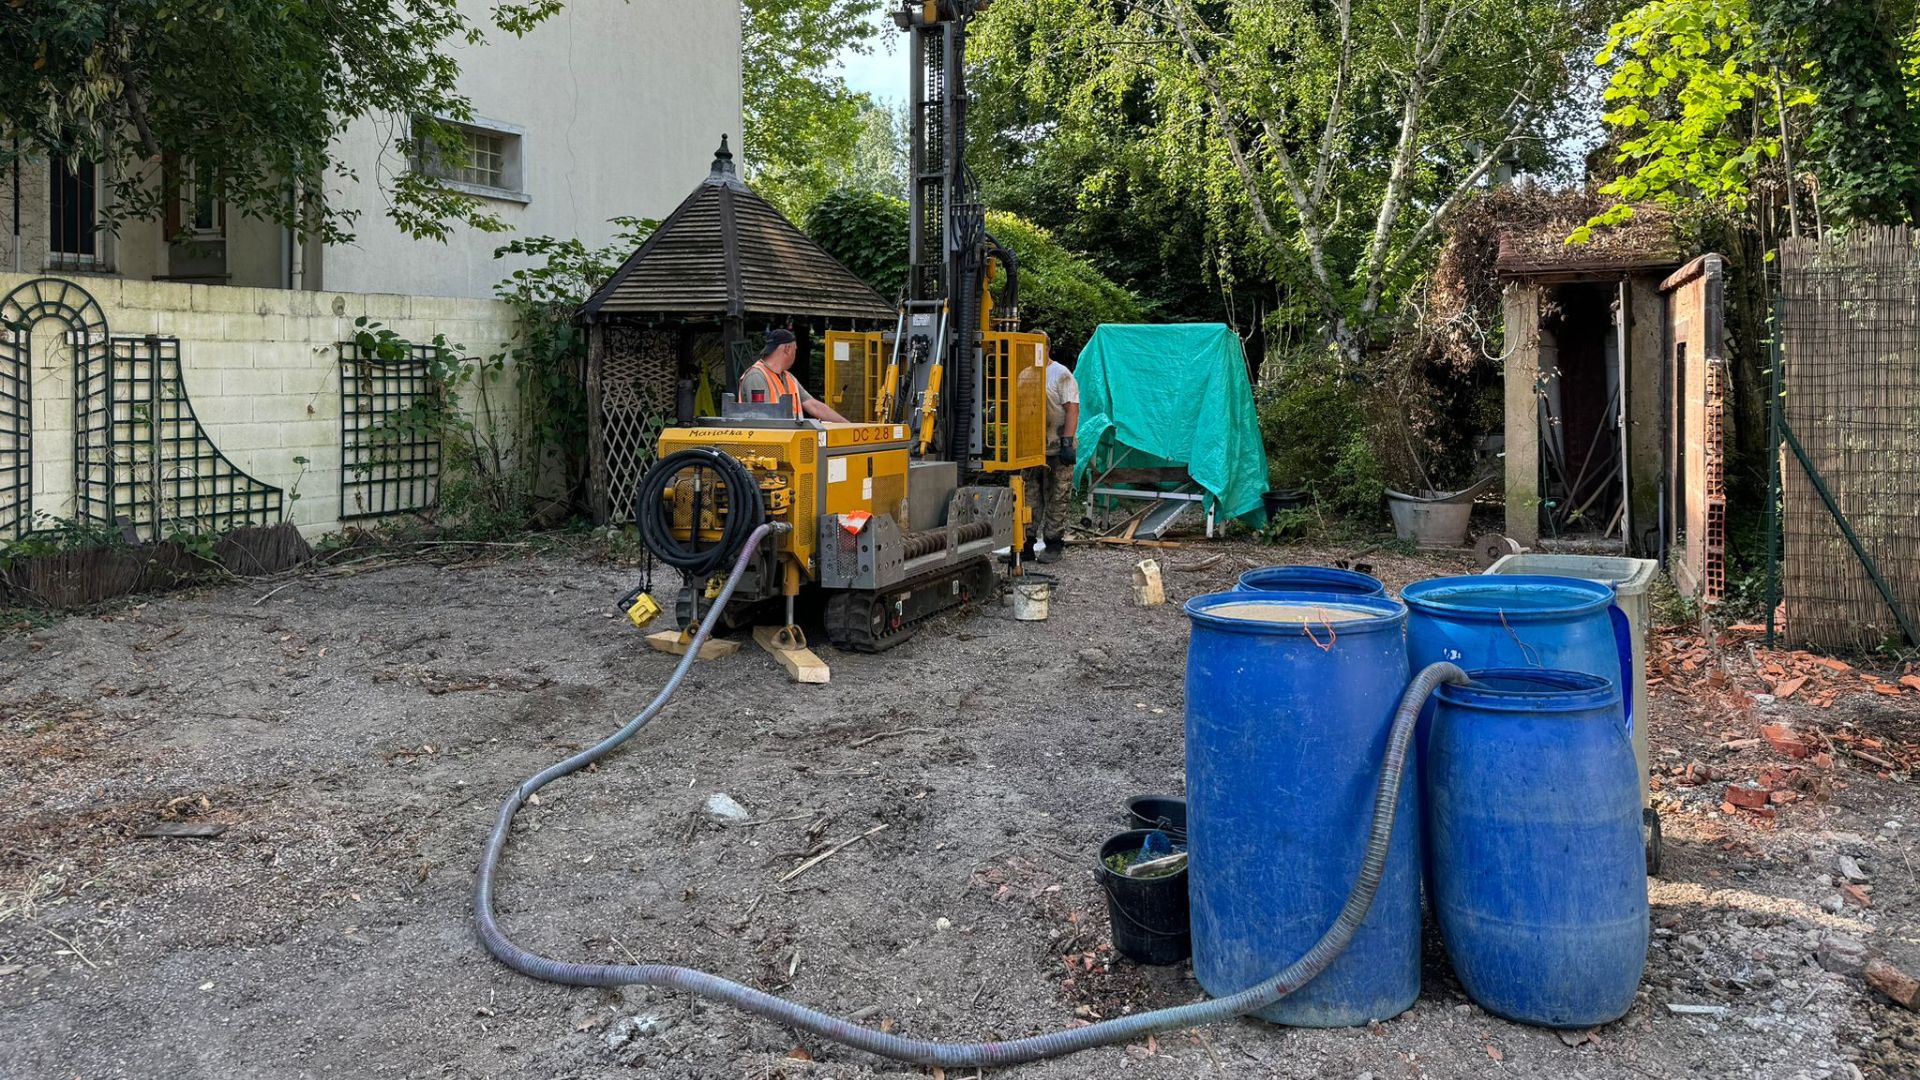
(261, 368)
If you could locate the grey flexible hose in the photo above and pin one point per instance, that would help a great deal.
(924, 1051)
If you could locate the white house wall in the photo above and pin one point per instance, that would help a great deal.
(621, 104)
(261, 368)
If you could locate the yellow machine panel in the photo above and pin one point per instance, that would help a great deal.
(1014, 377)
(803, 472)
(1014, 435)
(855, 363)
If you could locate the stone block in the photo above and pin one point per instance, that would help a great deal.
(250, 382)
(285, 409)
(254, 327)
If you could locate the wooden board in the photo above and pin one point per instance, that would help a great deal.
(1121, 541)
(670, 641)
(801, 664)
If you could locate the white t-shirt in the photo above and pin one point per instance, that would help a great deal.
(1062, 390)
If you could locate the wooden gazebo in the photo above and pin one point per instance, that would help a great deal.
(686, 313)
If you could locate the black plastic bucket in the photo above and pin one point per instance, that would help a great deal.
(1149, 915)
(1168, 813)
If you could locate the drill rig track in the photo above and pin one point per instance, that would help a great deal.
(875, 620)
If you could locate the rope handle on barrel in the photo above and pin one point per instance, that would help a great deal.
(1332, 634)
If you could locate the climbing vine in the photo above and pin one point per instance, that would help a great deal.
(548, 357)
(1714, 99)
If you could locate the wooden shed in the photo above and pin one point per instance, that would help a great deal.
(1613, 434)
(686, 312)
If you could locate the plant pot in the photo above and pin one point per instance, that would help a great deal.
(1149, 915)
(1168, 813)
(1284, 499)
(1434, 519)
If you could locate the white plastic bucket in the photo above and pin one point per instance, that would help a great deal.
(1030, 600)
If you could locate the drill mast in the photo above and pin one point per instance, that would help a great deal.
(947, 233)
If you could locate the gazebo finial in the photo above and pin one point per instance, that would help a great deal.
(722, 160)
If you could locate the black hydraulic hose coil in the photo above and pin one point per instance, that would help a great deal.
(714, 472)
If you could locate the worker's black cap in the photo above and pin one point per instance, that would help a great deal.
(775, 339)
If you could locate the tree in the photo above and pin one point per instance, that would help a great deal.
(879, 159)
(802, 122)
(1061, 294)
(1093, 178)
(1337, 134)
(1720, 98)
(254, 94)
(1710, 98)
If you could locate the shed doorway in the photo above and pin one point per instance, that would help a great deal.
(1582, 420)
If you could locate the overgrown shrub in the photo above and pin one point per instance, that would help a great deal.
(867, 232)
(1318, 424)
(1061, 294)
(549, 356)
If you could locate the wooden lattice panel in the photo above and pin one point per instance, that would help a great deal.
(636, 404)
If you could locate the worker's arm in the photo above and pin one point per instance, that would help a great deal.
(819, 410)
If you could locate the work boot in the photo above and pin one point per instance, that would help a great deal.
(1056, 549)
(1026, 555)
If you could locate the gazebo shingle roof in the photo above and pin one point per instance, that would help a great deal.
(726, 251)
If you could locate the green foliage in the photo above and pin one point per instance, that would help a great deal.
(879, 162)
(1318, 430)
(1699, 101)
(256, 94)
(1711, 98)
(1061, 293)
(1863, 132)
(482, 490)
(550, 347)
(800, 117)
(1307, 150)
(867, 232)
(498, 471)
(52, 535)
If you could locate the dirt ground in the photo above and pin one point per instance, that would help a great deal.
(356, 731)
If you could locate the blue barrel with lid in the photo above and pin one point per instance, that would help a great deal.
(1289, 700)
(1521, 621)
(1538, 876)
(1313, 579)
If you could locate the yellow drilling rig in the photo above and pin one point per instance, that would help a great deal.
(895, 516)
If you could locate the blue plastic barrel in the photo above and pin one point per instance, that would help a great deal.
(1534, 851)
(1314, 579)
(1520, 621)
(1289, 699)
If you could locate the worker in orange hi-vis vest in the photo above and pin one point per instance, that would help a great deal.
(771, 381)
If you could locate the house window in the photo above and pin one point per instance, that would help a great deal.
(201, 213)
(73, 213)
(481, 159)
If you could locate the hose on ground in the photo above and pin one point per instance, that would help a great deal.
(923, 1051)
(715, 473)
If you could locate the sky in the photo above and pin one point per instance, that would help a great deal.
(881, 72)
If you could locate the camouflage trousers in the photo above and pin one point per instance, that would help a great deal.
(1050, 493)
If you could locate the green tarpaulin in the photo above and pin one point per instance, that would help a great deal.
(1175, 395)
